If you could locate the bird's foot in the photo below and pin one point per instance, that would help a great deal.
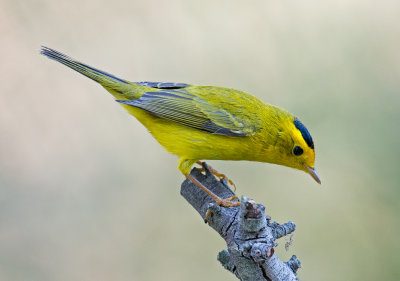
(217, 174)
(227, 202)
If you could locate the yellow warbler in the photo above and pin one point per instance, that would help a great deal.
(207, 122)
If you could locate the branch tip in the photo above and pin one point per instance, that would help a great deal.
(294, 263)
(283, 229)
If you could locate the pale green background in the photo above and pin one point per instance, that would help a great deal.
(87, 194)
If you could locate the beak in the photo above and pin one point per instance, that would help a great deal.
(313, 173)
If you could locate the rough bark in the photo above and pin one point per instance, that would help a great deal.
(249, 234)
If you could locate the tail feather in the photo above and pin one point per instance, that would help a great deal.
(90, 72)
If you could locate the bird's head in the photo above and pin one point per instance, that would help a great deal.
(296, 147)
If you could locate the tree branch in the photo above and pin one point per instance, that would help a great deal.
(249, 234)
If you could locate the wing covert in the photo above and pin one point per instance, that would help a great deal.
(190, 110)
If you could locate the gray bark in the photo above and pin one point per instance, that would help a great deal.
(249, 234)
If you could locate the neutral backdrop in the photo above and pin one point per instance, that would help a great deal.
(87, 194)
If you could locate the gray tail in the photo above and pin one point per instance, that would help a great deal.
(97, 75)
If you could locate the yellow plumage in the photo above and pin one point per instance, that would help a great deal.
(207, 122)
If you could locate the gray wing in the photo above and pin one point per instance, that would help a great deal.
(189, 110)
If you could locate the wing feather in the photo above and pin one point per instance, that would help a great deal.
(191, 110)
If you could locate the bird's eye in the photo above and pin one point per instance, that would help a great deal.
(297, 150)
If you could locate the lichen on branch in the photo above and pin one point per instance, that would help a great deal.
(249, 233)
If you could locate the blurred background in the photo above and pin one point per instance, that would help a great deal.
(88, 194)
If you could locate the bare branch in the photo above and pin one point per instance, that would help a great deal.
(249, 234)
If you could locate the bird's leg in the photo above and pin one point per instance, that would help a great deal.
(217, 174)
(227, 202)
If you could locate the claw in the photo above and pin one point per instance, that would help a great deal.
(228, 202)
(208, 216)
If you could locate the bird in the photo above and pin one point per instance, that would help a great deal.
(208, 123)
